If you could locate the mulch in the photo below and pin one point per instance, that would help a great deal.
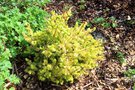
(109, 75)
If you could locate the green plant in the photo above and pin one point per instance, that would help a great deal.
(79, 21)
(10, 37)
(23, 3)
(98, 20)
(35, 16)
(113, 22)
(12, 28)
(121, 58)
(5, 66)
(12, 42)
(134, 86)
(62, 53)
(129, 22)
(105, 22)
(81, 4)
(131, 74)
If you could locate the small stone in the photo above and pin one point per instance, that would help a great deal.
(117, 36)
(128, 17)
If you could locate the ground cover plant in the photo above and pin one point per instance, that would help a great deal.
(12, 43)
(23, 3)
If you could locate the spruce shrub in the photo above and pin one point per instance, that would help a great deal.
(62, 53)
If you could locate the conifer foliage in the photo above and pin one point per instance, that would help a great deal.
(62, 53)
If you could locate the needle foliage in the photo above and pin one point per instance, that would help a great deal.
(62, 53)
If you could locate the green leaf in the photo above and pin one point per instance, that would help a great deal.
(113, 18)
(120, 57)
(12, 88)
(14, 79)
(106, 25)
(130, 72)
(5, 65)
(114, 25)
(1, 82)
(89, 25)
(98, 20)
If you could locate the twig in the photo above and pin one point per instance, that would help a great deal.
(87, 85)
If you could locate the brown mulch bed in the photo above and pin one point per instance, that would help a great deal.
(109, 75)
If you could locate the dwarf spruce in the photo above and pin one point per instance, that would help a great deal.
(62, 53)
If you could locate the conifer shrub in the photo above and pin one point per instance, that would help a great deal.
(62, 53)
